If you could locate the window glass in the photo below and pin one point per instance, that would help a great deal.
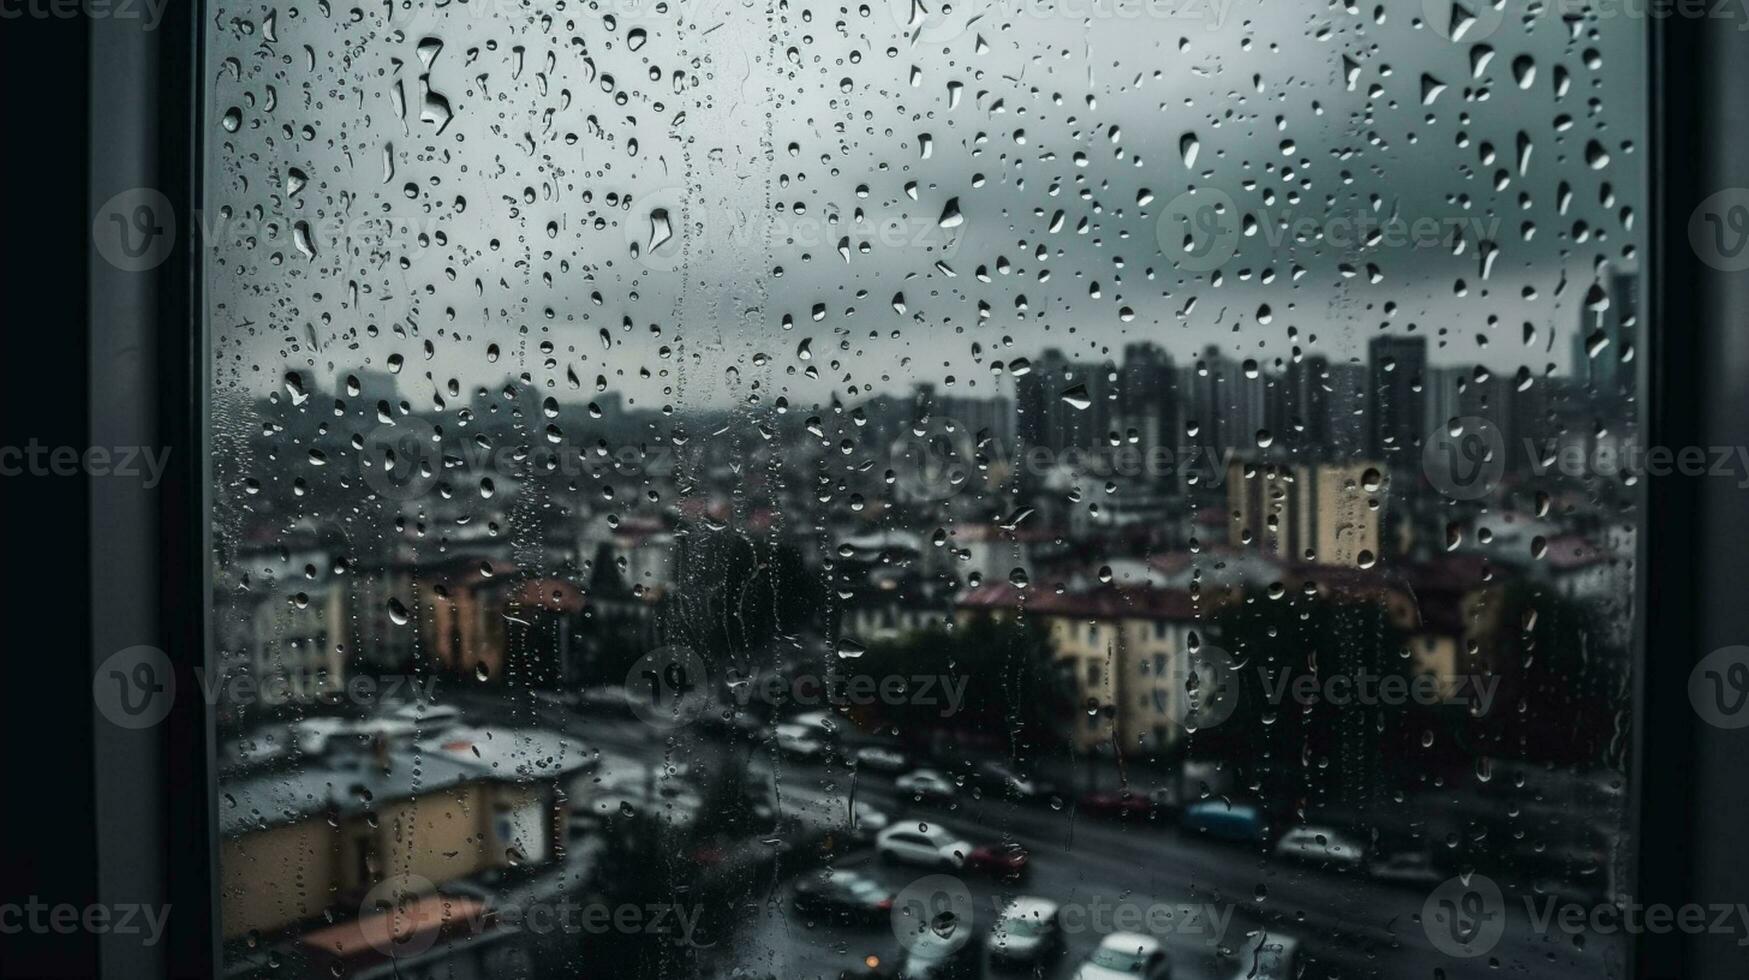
(664, 449)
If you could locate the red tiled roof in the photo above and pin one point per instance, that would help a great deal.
(1104, 603)
(373, 935)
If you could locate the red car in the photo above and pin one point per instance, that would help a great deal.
(1005, 861)
(1117, 804)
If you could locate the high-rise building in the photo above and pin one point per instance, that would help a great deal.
(1349, 432)
(1147, 398)
(1395, 402)
(374, 385)
(1062, 404)
(989, 418)
(1325, 513)
(1471, 393)
(1228, 402)
(1443, 387)
(1608, 325)
(1305, 406)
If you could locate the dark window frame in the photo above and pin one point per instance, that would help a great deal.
(1688, 788)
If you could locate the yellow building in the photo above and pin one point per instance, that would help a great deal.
(1322, 513)
(1125, 649)
(297, 640)
(295, 843)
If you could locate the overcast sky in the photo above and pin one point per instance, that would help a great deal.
(1027, 126)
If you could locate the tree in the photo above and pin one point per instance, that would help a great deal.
(1563, 694)
(990, 677)
(1304, 732)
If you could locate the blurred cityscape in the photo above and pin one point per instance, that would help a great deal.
(1297, 643)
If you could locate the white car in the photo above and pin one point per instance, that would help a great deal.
(311, 735)
(392, 730)
(799, 740)
(1272, 956)
(629, 794)
(1126, 956)
(1027, 932)
(928, 845)
(825, 814)
(255, 749)
(1319, 844)
(880, 759)
(926, 783)
(819, 723)
(866, 821)
(428, 716)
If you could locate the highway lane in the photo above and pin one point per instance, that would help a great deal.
(1355, 925)
(1353, 921)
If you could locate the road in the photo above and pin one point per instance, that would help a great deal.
(1208, 895)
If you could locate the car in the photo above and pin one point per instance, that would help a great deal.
(1028, 932)
(1006, 861)
(873, 966)
(311, 735)
(866, 821)
(1120, 803)
(926, 784)
(255, 750)
(1126, 956)
(628, 794)
(1407, 868)
(429, 716)
(390, 730)
(844, 896)
(1321, 845)
(929, 845)
(1272, 956)
(605, 700)
(799, 741)
(998, 777)
(820, 724)
(953, 955)
(1223, 821)
(876, 758)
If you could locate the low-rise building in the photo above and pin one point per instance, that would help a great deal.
(1127, 650)
(296, 642)
(298, 842)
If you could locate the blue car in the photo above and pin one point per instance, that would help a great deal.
(1242, 823)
